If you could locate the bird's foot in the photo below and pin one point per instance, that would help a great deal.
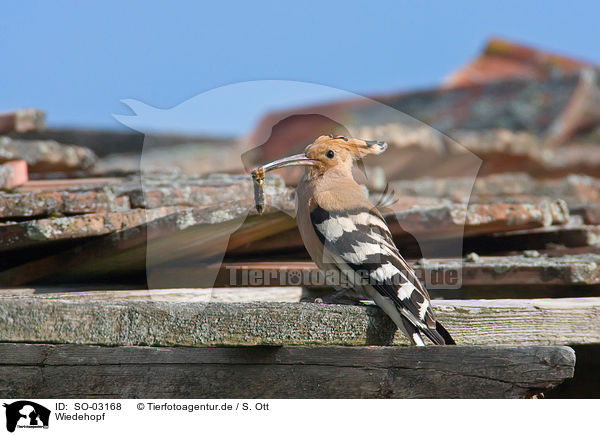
(340, 298)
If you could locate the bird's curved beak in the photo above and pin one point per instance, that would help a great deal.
(295, 160)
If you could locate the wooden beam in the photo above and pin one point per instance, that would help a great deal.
(58, 371)
(537, 238)
(583, 269)
(107, 319)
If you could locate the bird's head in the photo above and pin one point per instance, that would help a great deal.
(329, 153)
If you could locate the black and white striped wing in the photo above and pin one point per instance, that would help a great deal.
(361, 239)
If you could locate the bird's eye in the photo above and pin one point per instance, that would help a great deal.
(330, 154)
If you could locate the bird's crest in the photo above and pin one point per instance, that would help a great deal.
(357, 147)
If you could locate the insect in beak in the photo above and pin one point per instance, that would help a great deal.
(258, 175)
(258, 178)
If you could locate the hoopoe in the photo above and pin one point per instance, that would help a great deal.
(345, 234)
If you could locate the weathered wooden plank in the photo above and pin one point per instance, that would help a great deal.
(539, 238)
(98, 291)
(111, 321)
(521, 270)
(54, 371)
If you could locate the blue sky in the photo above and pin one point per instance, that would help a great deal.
(78, 60)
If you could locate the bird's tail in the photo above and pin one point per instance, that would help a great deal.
(443, 332)
(439, 335)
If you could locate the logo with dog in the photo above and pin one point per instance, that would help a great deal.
(25, 414)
